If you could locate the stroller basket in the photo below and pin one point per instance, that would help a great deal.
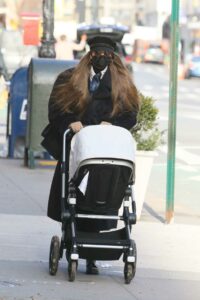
(106, 241)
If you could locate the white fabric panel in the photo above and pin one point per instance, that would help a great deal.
(101, 141)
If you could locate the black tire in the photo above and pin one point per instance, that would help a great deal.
(72, 267)
(130, 268)
(54, 255)
(128, 272)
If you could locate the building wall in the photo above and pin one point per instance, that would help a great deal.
(153, 13)
(15, 8)
(122, 11)
(190, 7)
(116, 10)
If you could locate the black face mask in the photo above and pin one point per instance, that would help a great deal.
(100, 62)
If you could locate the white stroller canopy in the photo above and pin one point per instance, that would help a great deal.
(101, 141)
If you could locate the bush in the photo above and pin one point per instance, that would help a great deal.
(146, 132)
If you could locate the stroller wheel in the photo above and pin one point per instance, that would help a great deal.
(72, 267)
(128, 272)
(130, 267)
(54, 255)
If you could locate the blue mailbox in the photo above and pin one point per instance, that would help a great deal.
(17, 108)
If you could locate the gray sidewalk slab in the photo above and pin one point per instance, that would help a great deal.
(23, 190)
(160, 246)
(168, 264)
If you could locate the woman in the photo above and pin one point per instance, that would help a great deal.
(65, 48)
(98, 91)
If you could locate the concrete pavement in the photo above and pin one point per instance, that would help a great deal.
(168, 255)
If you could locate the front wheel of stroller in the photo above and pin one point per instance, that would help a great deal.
(129, 272)
(72, 267)
(130, 267)
(54, 255)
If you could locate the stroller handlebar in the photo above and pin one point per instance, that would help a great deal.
(68, 132)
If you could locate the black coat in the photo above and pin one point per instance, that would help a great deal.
(98, 110)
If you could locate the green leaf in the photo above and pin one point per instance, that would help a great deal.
(146, 132)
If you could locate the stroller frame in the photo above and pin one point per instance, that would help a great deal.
(126, 246)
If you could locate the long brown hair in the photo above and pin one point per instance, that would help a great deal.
(73, 95)
(124, 93)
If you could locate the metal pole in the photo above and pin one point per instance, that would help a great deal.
(47, 48)
(95, 11)
(174, 23)
(80, 8)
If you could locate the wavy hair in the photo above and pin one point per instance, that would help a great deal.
(73, 95)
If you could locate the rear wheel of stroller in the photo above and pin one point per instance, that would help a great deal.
(54, 255)
(72, 267)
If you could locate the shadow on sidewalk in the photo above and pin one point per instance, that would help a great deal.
(153, 213)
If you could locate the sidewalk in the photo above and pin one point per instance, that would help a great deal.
(168, 264)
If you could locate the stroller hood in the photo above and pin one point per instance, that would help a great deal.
(101, 141)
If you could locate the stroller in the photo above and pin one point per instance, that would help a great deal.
(101, 174)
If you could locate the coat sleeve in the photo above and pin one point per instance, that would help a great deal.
(125, 119)
(59, 120)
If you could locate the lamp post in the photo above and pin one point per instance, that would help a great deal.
(47, 48)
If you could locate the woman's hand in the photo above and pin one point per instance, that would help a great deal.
(76, 126)
(105, 123)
